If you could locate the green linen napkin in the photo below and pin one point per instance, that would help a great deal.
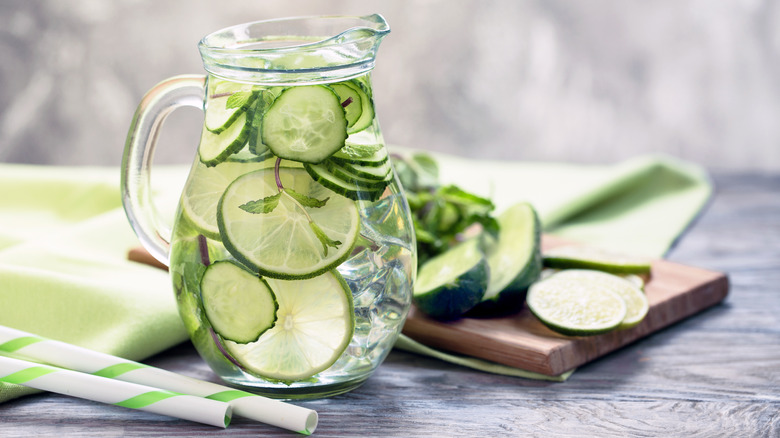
(64, 238)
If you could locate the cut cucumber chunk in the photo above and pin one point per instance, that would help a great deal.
(324, 176)
(238, 304)
(369, 155)
(367, 107)
(305, 124)
(351, 101)
(215, 148)
(515, 260)
(453, 282)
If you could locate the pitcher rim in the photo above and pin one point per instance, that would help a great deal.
(379, 31)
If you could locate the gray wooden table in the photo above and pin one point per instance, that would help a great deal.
(714, 374)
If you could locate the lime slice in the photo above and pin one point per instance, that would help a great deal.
(581, 257)
(514, 258)
(239, 305)
(282, 243)
(315, 323)
(203, 190)
(453, 282)
(578, 302)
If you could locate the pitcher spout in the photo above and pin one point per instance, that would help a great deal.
(294, 50)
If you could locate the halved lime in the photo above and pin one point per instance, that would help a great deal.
(578, 302)
(239, 305)
(453, 282)
(514, 258)
(282, 243)
(305, 123)
(315, 323)
(583, 257)
(203, 190)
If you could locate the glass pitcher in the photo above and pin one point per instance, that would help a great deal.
(292, 253)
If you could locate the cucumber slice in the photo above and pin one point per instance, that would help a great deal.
(579, 257)
(367, 107)
(323, 175)
(305, 124)
(215, 148)
(371, 172)
(315, 327)
(219, 117)
(369, 155)
(346, 175)
(515, 261)
(246, 156)
(255, 143)
(351, 100)
(239, 305)
(453, 282)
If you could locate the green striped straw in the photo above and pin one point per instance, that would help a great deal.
(245, 404)
(115, 392)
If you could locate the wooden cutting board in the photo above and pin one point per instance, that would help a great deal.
(674, 291)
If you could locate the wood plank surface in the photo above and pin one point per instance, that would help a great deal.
(674, 292)
(715, 374)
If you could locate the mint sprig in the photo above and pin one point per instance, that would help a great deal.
(443, 215)
(264, 205)
(269, 204)
(323, 238)
(239, 99)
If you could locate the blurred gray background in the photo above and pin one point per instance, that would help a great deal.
(533, 80)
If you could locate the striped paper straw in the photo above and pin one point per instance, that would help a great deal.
(245, 404)
(115, 392)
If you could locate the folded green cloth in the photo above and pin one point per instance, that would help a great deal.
(64, 239)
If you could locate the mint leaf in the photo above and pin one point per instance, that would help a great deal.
(324, 239)
(360, 150)
(239, 99)
(306, 201)
(265, 205)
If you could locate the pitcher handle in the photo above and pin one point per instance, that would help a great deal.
(170, 94)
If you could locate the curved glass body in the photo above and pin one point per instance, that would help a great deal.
(292, 186)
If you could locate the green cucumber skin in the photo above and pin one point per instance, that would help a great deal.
(447, 302)
(235, 115)
(363, 194)
(512, 298)
(568, 263)
(235, 146)
(243, 340)
(279, 147)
